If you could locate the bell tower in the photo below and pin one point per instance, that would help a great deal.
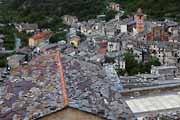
(139, 18)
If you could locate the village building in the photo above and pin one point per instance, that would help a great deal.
(91, 26)
(99, 27)
(15, 60)
(149, 77)
(110, 28)
(124, 28)
(163, 53)
(163, 69)
(138, 54)
(115, 6)
(28, 52)
(113, 45)
(26, 27)
(85, 28)
(101, 43)
(40, 39)
(120, 63)
(139, 18)
(75, 41)
(69, 20)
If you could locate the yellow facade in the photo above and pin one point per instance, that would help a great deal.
(75, 41)
(33, 43)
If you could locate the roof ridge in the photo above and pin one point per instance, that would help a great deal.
(62, 80)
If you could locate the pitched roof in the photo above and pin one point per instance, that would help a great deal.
(62, 81)
(36, 90)
(27, 26)
(93, 92)
(42, 35)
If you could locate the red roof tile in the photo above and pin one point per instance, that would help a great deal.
(42, 35)
(101, 50)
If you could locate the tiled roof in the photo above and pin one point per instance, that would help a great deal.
(42, 35)
(102, 51)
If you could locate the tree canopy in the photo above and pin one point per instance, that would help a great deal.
(83, 9)
(134, 67)
(153, 8)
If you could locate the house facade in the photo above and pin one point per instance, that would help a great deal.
(75, 41)
(26, 27)
(113, 45)
(39, 39)
(115, 6)
(164, 70)
(69, 20)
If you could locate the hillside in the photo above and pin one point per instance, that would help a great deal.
(36, 9)
(154, 8)
(84, 9)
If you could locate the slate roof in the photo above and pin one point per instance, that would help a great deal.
(89, 89)
(31, 91)
(52, 82)
(27, 26)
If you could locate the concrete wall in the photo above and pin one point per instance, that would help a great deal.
(71, 114)
(150, 91)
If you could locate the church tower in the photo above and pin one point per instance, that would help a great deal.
(139, 18)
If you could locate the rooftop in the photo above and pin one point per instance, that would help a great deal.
(16, 57)
(28, 26)
(154, 103)
(75, 85)
(31, 90)
(165, 67)
(42, 35)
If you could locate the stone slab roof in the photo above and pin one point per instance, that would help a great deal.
(53, 81)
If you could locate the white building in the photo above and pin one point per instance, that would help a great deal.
(113, 45)
(69, 20)
(124, 29)
(26, 27)
(120, 63)
(138, 54)
(164, 70)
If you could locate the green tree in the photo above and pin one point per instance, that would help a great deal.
(3, 62)
(58, 37)
(110, 14)
(153, 61)
(131, 64)
(134, 67)
(157, 9)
